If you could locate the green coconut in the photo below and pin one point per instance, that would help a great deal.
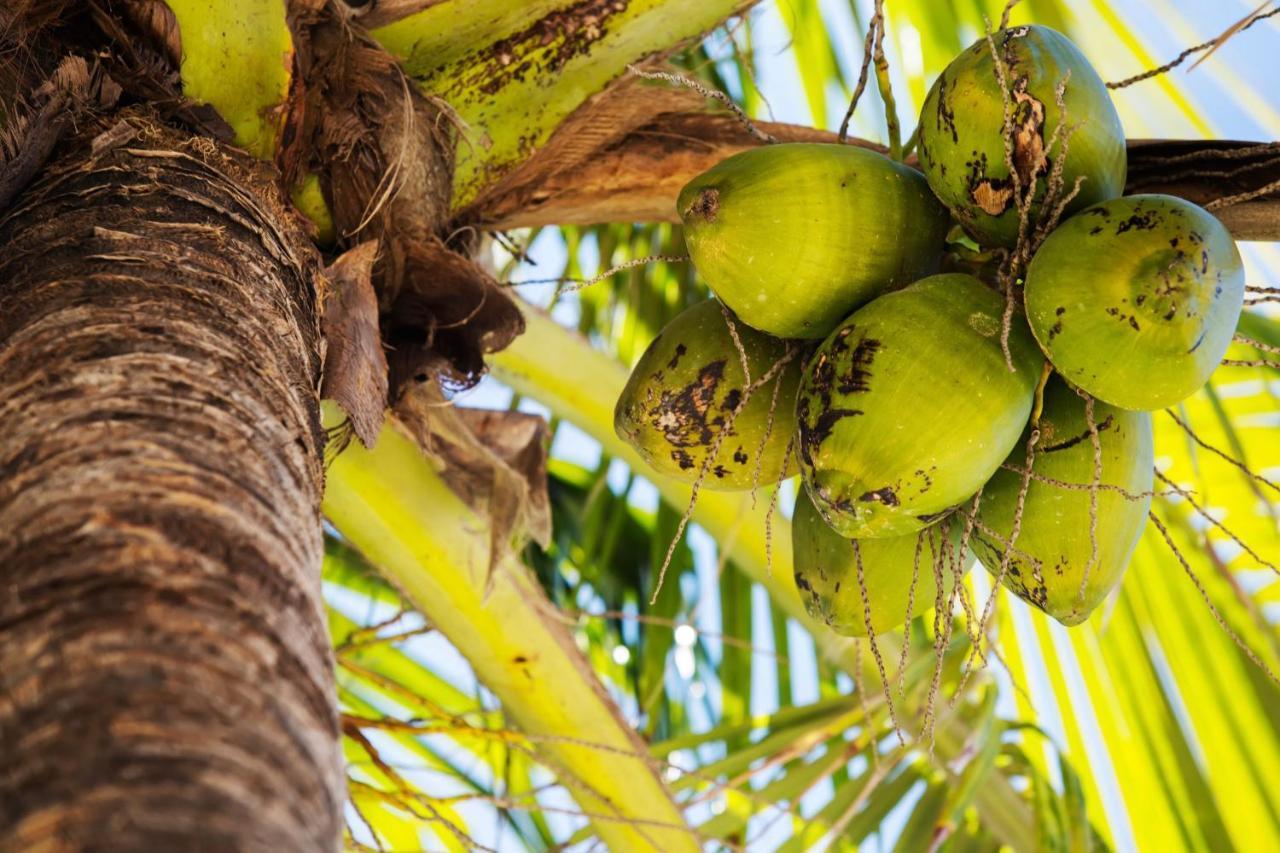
(908, 407)
(826, 572)
(1054, 551)
(1135, 300)
(793, 237)
(961, 132)
(686, 385)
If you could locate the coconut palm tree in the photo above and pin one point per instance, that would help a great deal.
(217, 213)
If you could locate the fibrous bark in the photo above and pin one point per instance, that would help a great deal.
(165, 675)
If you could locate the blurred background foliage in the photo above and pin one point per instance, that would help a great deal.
(1147, 727)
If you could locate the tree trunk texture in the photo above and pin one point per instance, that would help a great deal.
(636, 177)
(166, 680)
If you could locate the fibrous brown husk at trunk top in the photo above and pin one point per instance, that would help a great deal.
(385, 155)
(495, 460)
(165, 674)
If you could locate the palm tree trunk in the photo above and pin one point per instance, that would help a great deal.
(165, 675)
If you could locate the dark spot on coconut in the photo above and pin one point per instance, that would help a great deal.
(1139, 221)
(1055, 330)
(681, 349)
(1097, 211)
(740, 456)
(884, 495)
(720, 471)
(1196, 237)
(732, 399)
(682, 458)
(1141, 298)
(1059, 311)
(802, 583)
(1204, 261)
(1134, 323)
(1097, 229)
(1217, 291)
(682, 416)
(858, 377)
(1105, 424)
(1198, 342)
(931, 517)
(946, 119)
(813, 435)
(1173, 243)
(837, 588)
(705, 205)
(826, 422)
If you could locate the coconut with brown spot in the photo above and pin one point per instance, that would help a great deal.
(898, 573)
(793, 237)
(962, 131)
(1136, 300)
(908, 407)
(686, 386)
(1054, 554)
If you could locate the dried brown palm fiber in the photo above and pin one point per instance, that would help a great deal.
(384, 152)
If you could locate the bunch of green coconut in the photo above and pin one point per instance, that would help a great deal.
(912, 395)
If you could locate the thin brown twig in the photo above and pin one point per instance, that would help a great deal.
(1240, 26)
(1096, 440)
(1085, 487)
(773, 506)
(712, 453)
(867, 48)
(1008, 10)
(713, 94)
(1205, 514)
(1250, 362)
(1219, 453)
(911, 606)
(572, 616)
(871, 639)
(581, 283)
(764, 440)
(1258, 345)
(1204, 594)
(1238, 198)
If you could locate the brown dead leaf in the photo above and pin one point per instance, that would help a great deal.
(73, 89)
(355, 367)
(446, 316)
(603, 120)
(494, 460)
(384, 152)
(157, 22)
